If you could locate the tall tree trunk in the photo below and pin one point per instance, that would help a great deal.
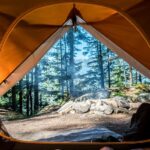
(66, 65)
(71, 61)
(14, 98)
(40, 99)
(130, 76)
(36, 89)
(30, 101)
(20, 96)
(136, 77)
(140, 78)
(31, 97)
(100, 62)
(61, 69)
(108, 69)
(124, 74)
(27, 95)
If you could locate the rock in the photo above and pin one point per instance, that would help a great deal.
(144, 97)
(112, 103)
(108, 110)
(81, 107)
(93, 107)
(72, 112)
(99, 106)
(121, 110)
(102, 106)
(66, 108)
(122, 102)
(134, 106)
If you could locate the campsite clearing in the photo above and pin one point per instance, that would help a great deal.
(49, 125)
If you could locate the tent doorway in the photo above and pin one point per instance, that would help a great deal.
(79, 84)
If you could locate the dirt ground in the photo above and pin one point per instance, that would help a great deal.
(48, 125)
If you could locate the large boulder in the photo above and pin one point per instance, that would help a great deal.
(66, 108)
(96, 106)
(108, 110)
(103, 107)
(81, 107)
(112, 102)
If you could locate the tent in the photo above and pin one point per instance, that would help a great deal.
(28, 28)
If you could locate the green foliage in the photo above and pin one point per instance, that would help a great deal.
(14, 116)
(143, 87)
(118, 91)
(77, 64)
(4, 102)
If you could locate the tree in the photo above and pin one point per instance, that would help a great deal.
(36, 89)
(20, 97)
(14, 107)
(131, 76)
(100, 62)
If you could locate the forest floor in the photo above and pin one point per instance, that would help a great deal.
(49, 125)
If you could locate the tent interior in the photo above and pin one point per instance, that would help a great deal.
(30, 28)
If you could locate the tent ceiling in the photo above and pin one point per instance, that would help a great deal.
(26, 24)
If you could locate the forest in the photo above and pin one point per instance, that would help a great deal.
(77, 64)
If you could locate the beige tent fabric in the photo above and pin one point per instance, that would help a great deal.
(31, 60)
(117, 29)
(26, 24)
(115, 48)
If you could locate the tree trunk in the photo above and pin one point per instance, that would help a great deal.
(61, 69)
(100, 61)
(14, 98)
(20, 96)
(71, 61)
(36, 89)
(66, 66)
(136, 77)
(108, 69)
(31, 97)
(130, 76)
(27, 95)
(140, 78)
(125, 74)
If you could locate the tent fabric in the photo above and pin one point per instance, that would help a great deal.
(8, 143)
(128, 58)
(26, 25)
(32, 60)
